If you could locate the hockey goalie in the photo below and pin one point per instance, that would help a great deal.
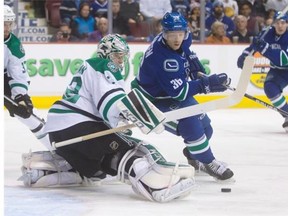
(94, 101)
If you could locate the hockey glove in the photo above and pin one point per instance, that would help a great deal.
(25, 106)
(241, 59)
(214, 83)
(260, 45)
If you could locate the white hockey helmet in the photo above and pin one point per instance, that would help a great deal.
(9, 15)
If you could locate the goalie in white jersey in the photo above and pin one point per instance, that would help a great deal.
(16, 81)
(92, 102)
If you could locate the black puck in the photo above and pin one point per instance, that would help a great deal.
(226, 190)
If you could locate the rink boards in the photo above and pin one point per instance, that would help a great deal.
(51, 66)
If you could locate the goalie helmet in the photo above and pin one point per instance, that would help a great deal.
(174, 21)
(9, 15)
(112, 43)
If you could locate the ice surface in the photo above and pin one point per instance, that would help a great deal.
(251, 141)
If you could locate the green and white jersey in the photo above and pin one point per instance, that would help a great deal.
(95, 88)
(15, 66)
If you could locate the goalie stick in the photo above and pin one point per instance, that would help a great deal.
(16, 104)
(230, 100)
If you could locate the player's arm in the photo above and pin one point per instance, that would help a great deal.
(19, 82)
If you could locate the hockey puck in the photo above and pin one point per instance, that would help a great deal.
(225, 190)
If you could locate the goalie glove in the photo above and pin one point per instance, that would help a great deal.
(141, 112)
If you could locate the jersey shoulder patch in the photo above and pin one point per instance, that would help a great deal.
(15, 46)
(171, 65)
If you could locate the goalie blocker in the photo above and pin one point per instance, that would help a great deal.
(142, 166)
(141, 112)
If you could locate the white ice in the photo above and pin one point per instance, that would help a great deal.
(251, 141)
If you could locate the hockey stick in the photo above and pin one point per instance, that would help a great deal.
(230, 100)
(282, 112)
(16, 104)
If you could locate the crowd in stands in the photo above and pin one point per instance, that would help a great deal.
(226, 21)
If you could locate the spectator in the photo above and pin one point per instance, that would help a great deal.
(84, 23)
(69, 10)
(99, 8)
(194, 21)
(102, 30)
(218, 34)
(230, 8)
(64, 35)
(218, 15)
(181, 6)
(241, 33)
(277, 5)
(245, 9)
(120, 25)
(154, 10)
(157, 29)
(130, 10)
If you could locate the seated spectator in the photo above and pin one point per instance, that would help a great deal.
(276, 5)
(99, 8)
(253, 25)
(241, 33)
(69, 10)
(64, 35)
(194, 20)
(181, 6)
(130, 10)
(218, 15)
(102, 30)
(84, 23)
(120, 25)
(154, 10)
(218, 34)
(230, 8)
(157, 29)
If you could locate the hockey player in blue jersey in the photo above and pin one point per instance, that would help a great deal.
(168, 76)
(274, 46)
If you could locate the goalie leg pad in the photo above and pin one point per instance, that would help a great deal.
(44, 169)
(153, 177)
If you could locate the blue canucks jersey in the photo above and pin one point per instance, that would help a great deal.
(164, 73)
(277, 51)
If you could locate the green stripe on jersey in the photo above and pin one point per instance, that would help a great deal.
(19, 85)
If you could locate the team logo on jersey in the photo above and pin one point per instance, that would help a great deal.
(171, 65)
(112, 67)
(22, 49)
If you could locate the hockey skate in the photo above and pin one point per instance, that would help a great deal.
(285, 124)
(216, 169)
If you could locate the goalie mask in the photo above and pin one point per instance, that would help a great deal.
(115, 48)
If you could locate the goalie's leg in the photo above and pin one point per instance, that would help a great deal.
(152, 177)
